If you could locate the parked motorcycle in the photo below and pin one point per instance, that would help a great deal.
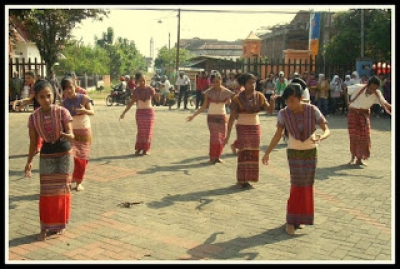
(119, 97)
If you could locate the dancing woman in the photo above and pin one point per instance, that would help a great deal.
(145, 115)
(300, 120)
(80, 107)
(245, 108)
(53, 124)
(215, 99)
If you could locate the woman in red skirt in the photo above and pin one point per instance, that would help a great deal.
(300, 120)
(52, 123)
(244, 108)
(358, 118)
(145, 116)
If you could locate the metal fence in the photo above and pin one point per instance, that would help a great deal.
(22, 66)
(319, 65)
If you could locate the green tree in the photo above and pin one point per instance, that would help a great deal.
(166, 58)
(345, 43)
(83, 59)
(50, 29)
(123, 56)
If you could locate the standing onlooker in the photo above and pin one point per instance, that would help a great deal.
(55, 85)
(312, 87)
(336, 89)
(363, 79)
(53, 124)
(376, 108)
(215, 99)
(259, 86)
(358, 119)
(201, 86)
(280, 85)
(269, 89)
(131, 84)
(145, 115)
(305, 76)
(300, 120)
(165, 85)
(182, 85)
(244, 109)
(322, 95)
(30, 79)
(387, 93)
(171, 97)
(80, 109)
(16, 85)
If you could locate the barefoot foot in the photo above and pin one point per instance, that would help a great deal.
(290, 229)
(79, 187)
(233, 149)
(42, 235)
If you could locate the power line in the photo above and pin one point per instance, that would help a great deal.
(231, 11)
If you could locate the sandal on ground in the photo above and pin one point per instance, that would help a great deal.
(137, 152)
(219, 161)
(211, 161)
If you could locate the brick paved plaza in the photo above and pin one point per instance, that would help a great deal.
(186, 211)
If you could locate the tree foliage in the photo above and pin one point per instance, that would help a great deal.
(166, 58)
(50, 29)
(345, 43)
(83, 59)
(123, 56)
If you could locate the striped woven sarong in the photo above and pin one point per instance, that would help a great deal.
(55, 194)
(217, 125)
(145, 119)
(300, 205)
(81, 145)
(248, 145)
(359, 127)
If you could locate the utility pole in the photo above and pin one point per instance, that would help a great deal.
(177, 45)
(362, 33)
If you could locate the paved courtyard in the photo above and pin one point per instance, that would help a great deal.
(185, 211)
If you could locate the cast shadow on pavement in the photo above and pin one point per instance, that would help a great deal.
(109, 157)
(232, 249)
(17, 156)
(14, 200)
(326, 172)
(203, 197)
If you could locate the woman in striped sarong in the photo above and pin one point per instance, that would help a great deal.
(53, 124)
(80, 107)
(244, 108)
(358, 117)
(300, 120)
(145, 116)
(215, 99)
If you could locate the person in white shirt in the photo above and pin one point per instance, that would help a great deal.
(165, 85)
(182, 84)
(358, 119)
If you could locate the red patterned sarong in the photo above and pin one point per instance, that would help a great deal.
(359, 127)
(81, 145)
(55, 193)
(145, 119)
(217, 125)
(300, 205)
(248, 143)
